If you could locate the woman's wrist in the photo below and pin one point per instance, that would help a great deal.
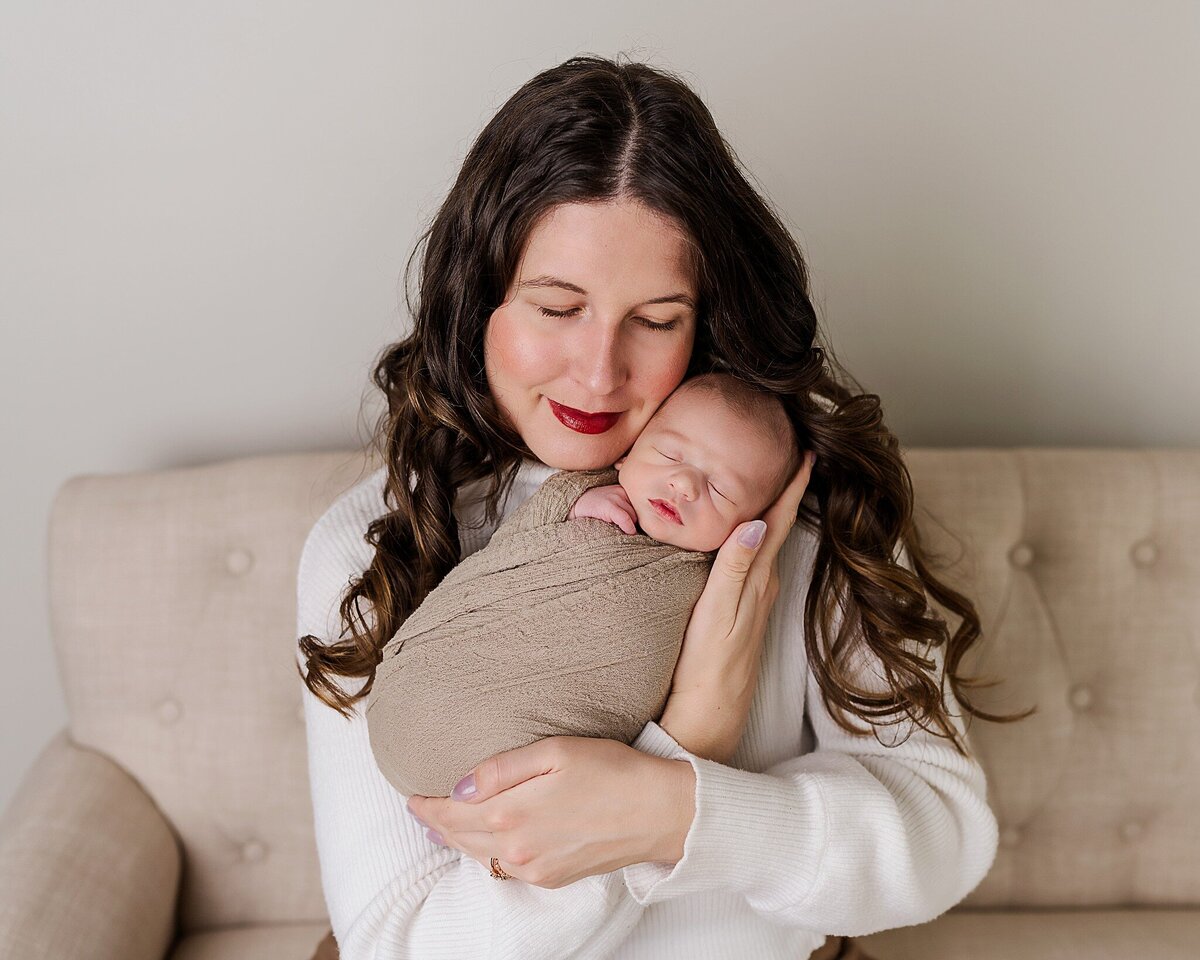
(677, 792)
(709, 722)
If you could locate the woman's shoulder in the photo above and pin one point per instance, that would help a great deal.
(340, 532)
(351, 512)
(336, 548)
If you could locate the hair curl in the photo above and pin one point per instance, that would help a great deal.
(592, 129)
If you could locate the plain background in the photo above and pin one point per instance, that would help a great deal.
(205, 211)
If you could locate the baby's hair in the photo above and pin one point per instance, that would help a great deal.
(761, 409)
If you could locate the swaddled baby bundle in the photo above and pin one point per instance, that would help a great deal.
(555, 628)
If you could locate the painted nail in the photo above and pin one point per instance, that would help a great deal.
(436, 837)
(753, 534)
(464, 788)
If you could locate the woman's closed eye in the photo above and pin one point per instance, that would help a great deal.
(547, 311)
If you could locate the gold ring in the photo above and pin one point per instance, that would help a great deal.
(498, 871)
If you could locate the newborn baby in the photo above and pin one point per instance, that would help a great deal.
(570, 621)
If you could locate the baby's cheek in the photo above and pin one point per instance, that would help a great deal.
(709, 532)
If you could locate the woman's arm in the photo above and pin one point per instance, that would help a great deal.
(849, 839)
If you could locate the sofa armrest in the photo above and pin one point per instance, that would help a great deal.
(88, 865)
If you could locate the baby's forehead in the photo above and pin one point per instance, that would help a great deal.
(711, 434)
(673, 415)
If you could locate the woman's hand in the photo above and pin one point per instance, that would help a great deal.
(565, 808)
(717, 670)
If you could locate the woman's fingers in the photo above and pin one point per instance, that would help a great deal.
(494, 775)
(737, 553)
(603, 805)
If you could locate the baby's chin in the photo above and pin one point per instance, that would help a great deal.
(685, 540)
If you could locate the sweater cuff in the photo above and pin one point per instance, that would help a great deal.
(752, 832)
(656, 741)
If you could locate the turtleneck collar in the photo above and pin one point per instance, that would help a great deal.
(533, 473)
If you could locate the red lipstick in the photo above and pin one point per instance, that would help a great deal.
(667, 511)
(581, 421)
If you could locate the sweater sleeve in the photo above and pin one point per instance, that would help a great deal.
(390, 892)
(849, 839)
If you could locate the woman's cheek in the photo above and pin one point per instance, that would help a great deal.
(670, 374)
(518, 353)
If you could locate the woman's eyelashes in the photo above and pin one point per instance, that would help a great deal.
(547, 311)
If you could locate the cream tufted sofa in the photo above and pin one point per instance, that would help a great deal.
(171, 817)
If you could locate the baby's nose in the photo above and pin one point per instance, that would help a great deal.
(685, 484)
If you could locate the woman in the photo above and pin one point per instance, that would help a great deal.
(599, 245)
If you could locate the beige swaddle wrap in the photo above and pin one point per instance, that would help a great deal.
(554, 628)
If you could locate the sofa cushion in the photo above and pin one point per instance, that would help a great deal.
(1044, 935)
(268, 942)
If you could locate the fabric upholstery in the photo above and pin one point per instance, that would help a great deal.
(1044, 935)
(1083, 567)
(172, 605)
(88, 865)
(294, 941)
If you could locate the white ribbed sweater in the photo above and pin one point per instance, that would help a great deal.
(808, 832)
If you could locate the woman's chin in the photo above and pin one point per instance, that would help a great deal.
(584, 454)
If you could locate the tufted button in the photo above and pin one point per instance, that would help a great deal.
(1010, 836)
(1144, 553)
(1080, 696)
(168, 711)
(239, 562)
(1131, 830)
(254, 851)
(1021, 555)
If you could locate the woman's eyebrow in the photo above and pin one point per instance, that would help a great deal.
(547, 281)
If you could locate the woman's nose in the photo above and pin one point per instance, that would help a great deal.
(600, 363)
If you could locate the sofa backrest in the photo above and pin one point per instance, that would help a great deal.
(173, 614)
(173, 610)
(1083, 565)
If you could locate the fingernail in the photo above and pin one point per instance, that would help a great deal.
(436, 837)
(753, 534)
(464, 788)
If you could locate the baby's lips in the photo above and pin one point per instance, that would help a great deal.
(654, 506)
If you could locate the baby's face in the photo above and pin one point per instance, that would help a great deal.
(697, 470)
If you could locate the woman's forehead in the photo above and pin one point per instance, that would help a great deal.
(616, 245)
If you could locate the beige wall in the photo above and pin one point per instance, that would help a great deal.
(205, 214)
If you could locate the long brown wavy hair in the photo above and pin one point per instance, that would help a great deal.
(594, 129)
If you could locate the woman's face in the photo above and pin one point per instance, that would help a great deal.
(595, 332)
